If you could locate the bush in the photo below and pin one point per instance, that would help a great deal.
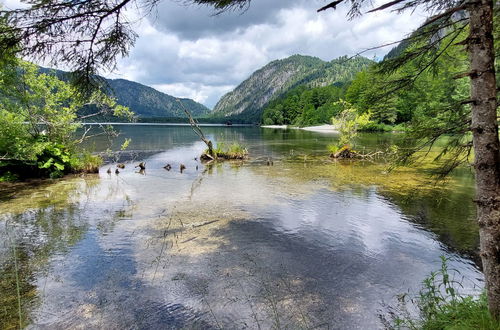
(38, 121)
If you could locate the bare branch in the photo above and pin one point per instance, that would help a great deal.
(332, 5)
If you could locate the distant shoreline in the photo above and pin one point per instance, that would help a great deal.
(167, 124)
(320, 129)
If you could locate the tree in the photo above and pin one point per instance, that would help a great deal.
(39, 118)
(88, 35)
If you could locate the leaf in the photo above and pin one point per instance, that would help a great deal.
(47, 164)
(59, 166)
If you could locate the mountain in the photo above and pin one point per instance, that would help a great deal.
(144, 101)
(248, 99)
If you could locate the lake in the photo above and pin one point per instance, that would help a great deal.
(308, 242)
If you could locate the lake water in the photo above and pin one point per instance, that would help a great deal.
(305, 243)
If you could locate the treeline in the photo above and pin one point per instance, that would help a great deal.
(305, 106)
(423, 92)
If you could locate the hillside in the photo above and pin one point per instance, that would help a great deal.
(148, 102)
(248, 99)
(144, 101)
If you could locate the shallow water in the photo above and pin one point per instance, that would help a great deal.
(307, 242)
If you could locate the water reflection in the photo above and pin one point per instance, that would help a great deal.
(304, 243)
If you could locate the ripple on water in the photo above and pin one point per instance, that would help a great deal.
(231, 245)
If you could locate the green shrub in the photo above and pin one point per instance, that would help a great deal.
(39, 118)
(441, 306)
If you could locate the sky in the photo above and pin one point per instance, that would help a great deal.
(187, 51)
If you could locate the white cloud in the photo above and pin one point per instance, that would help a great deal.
(198, 92)
(202, 57)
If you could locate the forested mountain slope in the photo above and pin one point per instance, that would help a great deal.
(248, 99)
(148, 102)
(144, 101)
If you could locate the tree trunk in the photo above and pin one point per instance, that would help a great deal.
(484, 128)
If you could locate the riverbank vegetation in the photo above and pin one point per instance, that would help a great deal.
(222, 151)
(441, 305)
(40, 115)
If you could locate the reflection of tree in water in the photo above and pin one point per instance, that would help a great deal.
(31, 239)
(444, 208)
(449, 214)
(15, 274)
(36, 227)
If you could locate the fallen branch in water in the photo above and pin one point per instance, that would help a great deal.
(347, 152)
(196, 128)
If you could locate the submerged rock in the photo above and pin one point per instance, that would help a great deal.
(141, 166)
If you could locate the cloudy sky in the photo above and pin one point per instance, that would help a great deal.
(186, 51)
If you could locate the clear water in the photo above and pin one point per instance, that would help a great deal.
(307, 242)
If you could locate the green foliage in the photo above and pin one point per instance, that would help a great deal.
(233, 151)
(125, 144)
(304, 106)
(88, 163)
(39, 120)
(441, 306)
(333, 148)
(348, 122)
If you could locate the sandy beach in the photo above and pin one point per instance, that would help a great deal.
(321, 128)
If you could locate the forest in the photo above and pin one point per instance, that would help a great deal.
(390, 102)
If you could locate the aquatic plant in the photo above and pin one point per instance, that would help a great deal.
(233, 151)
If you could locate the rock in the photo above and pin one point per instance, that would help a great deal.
(121, 165)
(141, 165)
(109, 170)
(117, 171)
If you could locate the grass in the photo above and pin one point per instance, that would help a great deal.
(233, 151)
(441, 306)
(87, 163)
(466, 313)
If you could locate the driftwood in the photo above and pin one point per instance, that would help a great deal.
(347, 153)
(196, 128)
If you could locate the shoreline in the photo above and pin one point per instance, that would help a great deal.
(326, 128)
